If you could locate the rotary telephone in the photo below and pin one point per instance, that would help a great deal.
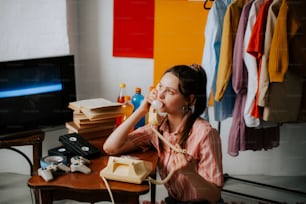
(129, 169)
(126, 169)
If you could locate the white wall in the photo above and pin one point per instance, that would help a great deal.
(32, 29)
(99, 75)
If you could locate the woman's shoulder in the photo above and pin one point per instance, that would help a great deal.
(202, 122)
(203, 126)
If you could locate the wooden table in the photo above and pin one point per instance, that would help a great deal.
(91, 188)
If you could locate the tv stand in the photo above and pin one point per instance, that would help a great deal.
(32, 137)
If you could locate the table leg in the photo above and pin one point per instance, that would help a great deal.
(46, 197)
(153, 189)
(132, 200)
(37, 153)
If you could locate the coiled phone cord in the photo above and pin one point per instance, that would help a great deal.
(174, 148)
(150, 179)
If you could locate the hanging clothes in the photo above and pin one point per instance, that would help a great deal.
(236, 140)
(290, 32)
(241, 137)
(264, 77)
(229, 30)
(251, 66)
(256, 48)
(267, 66)
(287, 62)
(210, 60)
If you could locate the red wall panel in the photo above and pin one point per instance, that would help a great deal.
(133, 34)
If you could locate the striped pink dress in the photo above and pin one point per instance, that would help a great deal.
(203, 144)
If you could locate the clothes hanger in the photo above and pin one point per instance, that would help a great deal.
(205, 4)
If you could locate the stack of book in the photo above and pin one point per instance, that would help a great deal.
(93, 115)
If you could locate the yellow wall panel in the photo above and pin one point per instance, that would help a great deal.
(178, 34)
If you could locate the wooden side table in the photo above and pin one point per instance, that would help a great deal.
(90, 187)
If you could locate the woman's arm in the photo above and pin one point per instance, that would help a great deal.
(118, 142)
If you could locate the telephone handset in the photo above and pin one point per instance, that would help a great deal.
(155, 116)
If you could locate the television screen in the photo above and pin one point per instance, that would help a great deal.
(35, 93)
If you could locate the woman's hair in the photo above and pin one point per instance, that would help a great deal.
(192, 81)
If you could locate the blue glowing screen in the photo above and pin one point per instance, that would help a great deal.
(23, 82)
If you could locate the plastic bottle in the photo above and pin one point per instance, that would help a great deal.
(120, 99)
(127, 107)
(122, 93)
(136, 101)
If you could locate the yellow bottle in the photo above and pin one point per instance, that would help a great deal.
(127, 107)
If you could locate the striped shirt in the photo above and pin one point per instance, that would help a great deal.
(203, 144)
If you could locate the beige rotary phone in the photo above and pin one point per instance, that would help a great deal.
(126, 169)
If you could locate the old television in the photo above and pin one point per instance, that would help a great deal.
(35, 93)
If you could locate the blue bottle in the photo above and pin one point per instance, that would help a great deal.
(136, 101)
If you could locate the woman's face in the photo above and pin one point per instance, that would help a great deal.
(169, 95)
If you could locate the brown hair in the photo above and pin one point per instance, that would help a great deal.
(192, 81)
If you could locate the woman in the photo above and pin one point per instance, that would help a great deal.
(198, 176)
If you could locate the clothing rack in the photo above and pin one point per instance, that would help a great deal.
(227, 177)
(246, 181)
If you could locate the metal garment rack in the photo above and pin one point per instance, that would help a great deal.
(227, 177)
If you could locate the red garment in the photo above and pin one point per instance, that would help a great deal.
(256, 47)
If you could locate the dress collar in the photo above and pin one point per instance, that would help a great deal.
(165, 124)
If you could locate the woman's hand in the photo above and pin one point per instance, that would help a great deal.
(183, 162)
(146, 103)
